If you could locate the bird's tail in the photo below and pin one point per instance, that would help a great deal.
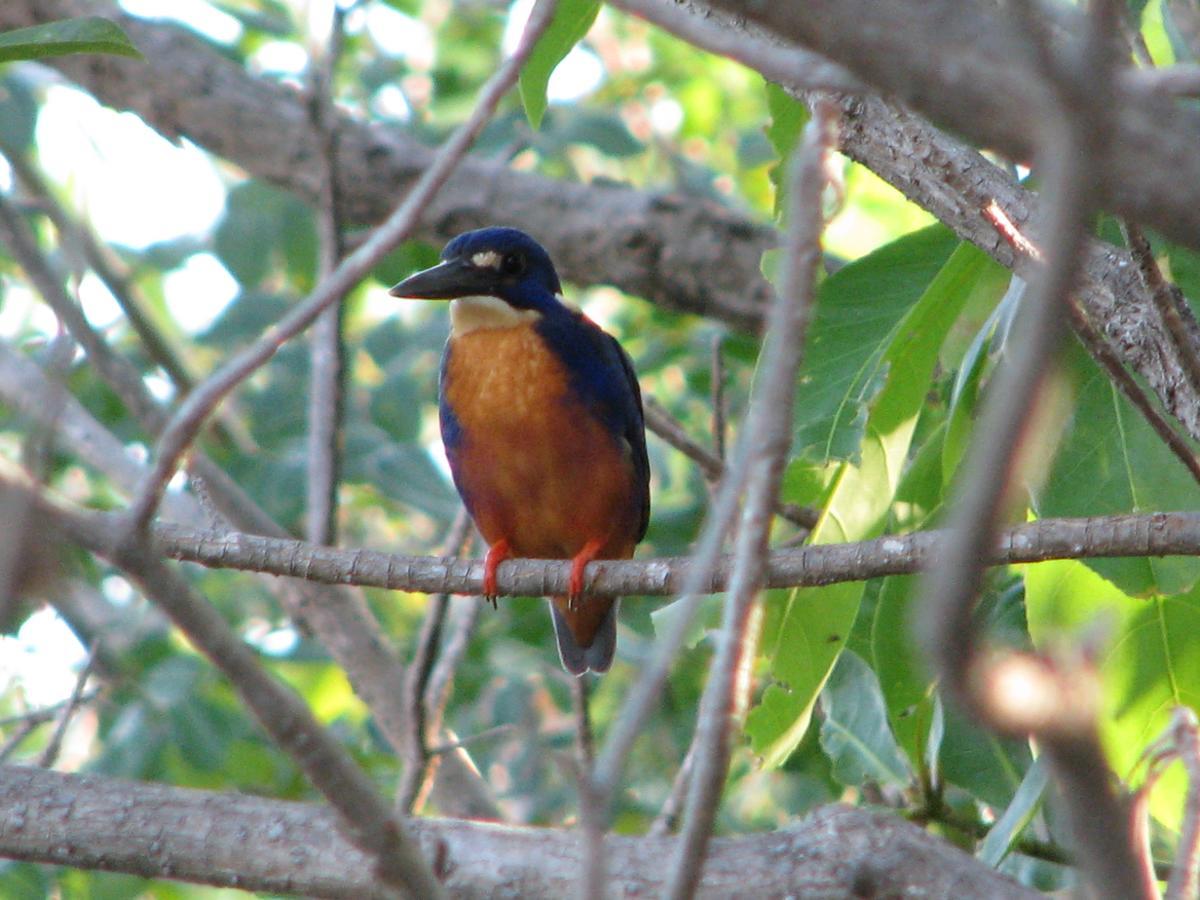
(596, 656)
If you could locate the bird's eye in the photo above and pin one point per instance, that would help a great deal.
(512, 264)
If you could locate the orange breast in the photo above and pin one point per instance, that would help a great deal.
(533, 465)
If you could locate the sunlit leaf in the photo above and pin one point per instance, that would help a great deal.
(858, 312)
(87, 34)
(788, 117)
(572, 19)
(1111, 461)
(1149, 661)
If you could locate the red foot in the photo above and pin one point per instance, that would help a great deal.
(578, 564)
(496, 554)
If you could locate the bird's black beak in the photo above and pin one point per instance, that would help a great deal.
(448, 279)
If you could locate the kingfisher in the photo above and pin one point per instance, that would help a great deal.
(541, 417)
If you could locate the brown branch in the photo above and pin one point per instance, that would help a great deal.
(1128, 535)
(165, 832)
(1176, 314)
(1184, 882)
(326, 398)
(768, 429)
(678, 252)
(414, 780)
(955, 64)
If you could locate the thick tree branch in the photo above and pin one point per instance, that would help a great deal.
(959, 63)
(201, 836)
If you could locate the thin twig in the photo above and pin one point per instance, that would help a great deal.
(1106, 355)
(668, 816)
(10, 746)
(592, 812)
(769, 426)
(101, 261)
(54, 745)
(417, 754)
(667, 427)
(179, 433)
(717, 374)
(326, 399)
(480, 737)
(1184, 883)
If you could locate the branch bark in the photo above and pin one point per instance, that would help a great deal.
(166, 832)
(1150, 534)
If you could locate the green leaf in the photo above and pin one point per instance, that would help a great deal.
(1149, 664)
(265, 229)
(816, 622)
(858, 313)
(1020, 812)
(87, 34)
(572, 19)
(403, 472)
(1111, 462)
(18, 114)
(854, 732)
(896, 659)
(985, 766)
(788, 118)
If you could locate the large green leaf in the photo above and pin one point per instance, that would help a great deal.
(1113, 462)
(857, 317)
(815, 623)
(1150, 662)
(855, 734)
(87, 34)
(572, 19)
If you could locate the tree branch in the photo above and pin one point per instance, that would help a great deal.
(165, 832)
(1148, 534)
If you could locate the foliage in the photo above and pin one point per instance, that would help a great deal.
(90, 34)
(900, 354)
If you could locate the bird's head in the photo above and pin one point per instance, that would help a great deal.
(491, 262)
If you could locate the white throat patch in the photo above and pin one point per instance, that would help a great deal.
(470, 313)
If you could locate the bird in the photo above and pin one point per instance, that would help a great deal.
(541, 418)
